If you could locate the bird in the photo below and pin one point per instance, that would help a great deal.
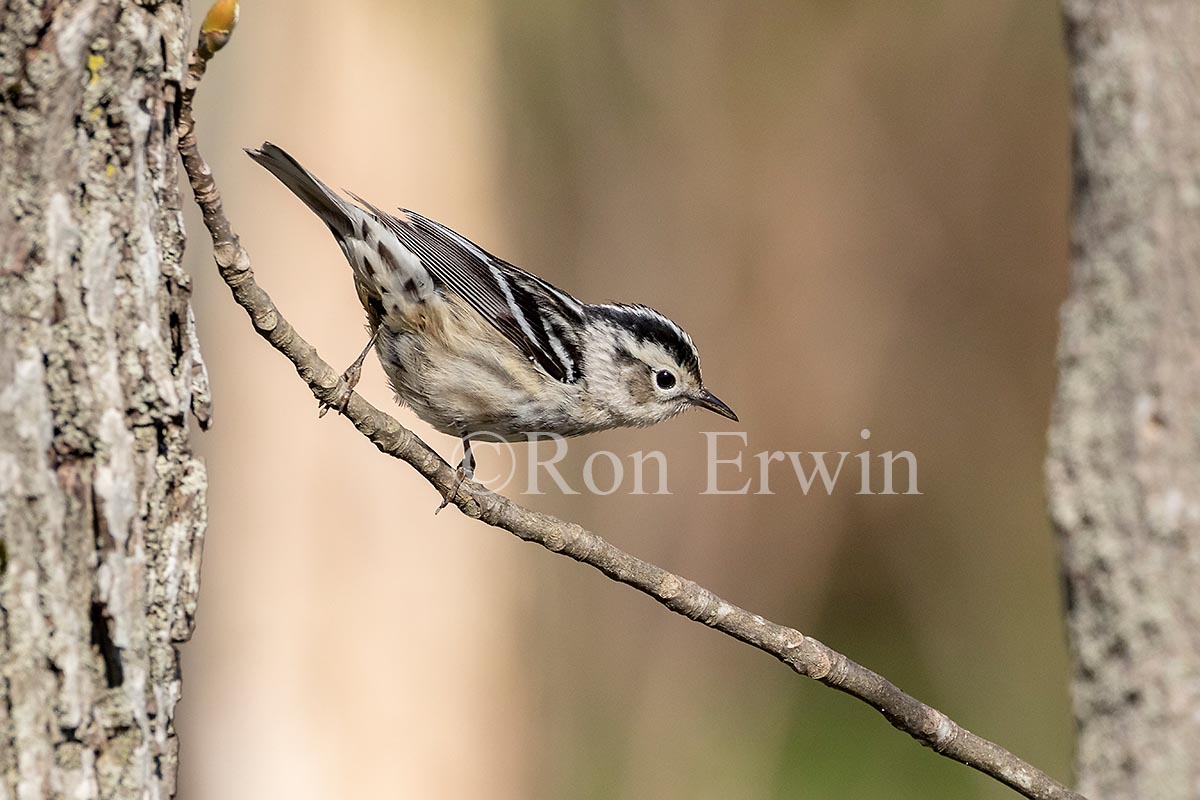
(478, 347)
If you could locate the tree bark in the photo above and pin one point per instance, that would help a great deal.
(101, 500)
(1124, 463)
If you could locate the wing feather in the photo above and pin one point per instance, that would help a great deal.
(538, 318)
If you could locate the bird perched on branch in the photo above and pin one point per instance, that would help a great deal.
(477, 346)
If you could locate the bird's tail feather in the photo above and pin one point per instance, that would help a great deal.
(333, 210)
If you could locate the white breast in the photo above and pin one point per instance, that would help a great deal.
(461, 376)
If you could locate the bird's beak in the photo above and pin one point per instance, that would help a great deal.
(710, 401)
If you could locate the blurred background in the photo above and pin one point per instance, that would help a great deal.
(858, 209)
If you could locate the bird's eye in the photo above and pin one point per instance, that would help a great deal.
(665, 379)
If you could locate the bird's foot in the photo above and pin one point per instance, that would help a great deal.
(460, 475)
(348, 380)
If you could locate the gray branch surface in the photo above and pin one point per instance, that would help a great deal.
(1124, 463)
(803, 654)
(101, 500)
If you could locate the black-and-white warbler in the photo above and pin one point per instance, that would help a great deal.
(477, 346)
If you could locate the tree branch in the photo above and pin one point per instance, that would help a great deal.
(803, 654)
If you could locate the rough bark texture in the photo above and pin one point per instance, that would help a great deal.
(101, 500)
(1124, 466)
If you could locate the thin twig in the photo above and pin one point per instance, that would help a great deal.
(803, 654)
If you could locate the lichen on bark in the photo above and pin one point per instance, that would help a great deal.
(101, 500)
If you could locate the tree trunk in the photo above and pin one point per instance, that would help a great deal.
(1124, 465)
(101, 500)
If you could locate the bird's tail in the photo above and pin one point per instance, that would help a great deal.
(333, 210)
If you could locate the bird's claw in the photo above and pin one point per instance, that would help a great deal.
(348, 380)
(460, 475)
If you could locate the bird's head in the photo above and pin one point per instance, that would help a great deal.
(644, 367)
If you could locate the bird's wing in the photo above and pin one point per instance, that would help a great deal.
(539, 319)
